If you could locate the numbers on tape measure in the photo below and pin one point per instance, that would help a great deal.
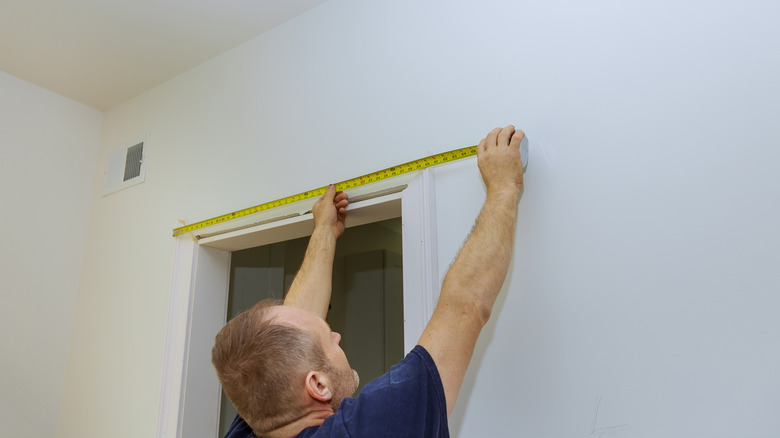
(348, 184)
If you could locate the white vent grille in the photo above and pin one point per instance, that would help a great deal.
(126, 167)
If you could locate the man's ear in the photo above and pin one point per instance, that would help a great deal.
(318, 386)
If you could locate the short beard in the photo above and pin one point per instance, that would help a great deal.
(345, 383)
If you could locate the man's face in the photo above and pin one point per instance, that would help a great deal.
(344, 379)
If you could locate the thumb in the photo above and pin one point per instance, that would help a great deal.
(330, 193)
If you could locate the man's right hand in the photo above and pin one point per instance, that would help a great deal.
(330, 211)
(499, 161)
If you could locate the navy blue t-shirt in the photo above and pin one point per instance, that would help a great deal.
(408, 401)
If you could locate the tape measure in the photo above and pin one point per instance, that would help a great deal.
(411, 166)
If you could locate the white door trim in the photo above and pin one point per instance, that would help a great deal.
(184, 263)
(199, 285)
(420, 256)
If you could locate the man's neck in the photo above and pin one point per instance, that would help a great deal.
(291, 430)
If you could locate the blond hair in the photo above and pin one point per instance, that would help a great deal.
(262, 366)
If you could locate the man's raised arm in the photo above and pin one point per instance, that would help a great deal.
(312, 285)
(473, 282)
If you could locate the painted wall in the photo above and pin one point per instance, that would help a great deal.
(48, 149)
(643, 291)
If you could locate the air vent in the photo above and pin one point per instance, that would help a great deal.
(133, 161)
(126, 167)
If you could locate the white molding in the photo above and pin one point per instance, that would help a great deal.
(356, 195)
(184, 262)
(420, 249)
(301, 225)
(199, 288)
(200, 395)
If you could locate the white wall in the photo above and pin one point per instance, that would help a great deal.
(48, 148)
(645, 266)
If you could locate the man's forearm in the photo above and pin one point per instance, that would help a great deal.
(470, 289)
(480, 268)
(311, 287)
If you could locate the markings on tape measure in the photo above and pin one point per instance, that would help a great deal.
(400, 169)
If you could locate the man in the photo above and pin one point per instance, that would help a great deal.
(282, 366)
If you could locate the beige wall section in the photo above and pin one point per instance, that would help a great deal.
(48, 149)
(654, 143)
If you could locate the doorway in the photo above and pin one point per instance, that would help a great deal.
(366, 302)
(189, 403)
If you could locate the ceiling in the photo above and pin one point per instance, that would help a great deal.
(103, 52)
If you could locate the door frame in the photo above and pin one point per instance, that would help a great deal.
(190, 392)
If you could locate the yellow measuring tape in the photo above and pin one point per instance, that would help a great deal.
(411, 166)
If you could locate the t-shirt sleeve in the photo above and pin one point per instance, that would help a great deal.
(239, 429)
(408, 401)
